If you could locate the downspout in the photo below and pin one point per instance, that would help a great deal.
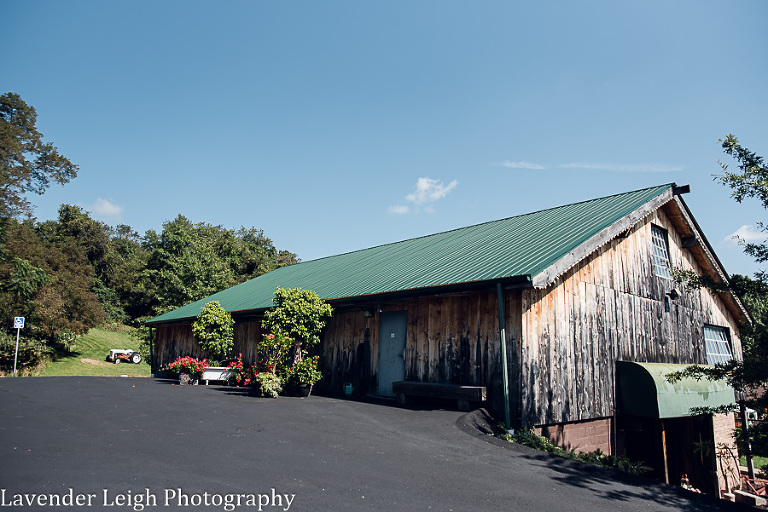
(151, 353)
(504, 368)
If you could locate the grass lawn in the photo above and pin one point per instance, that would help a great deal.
(88, 354)
(760, 462)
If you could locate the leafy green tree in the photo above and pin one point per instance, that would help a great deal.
(27, 164)
(299, 315)
(189, 261)
(750, 376)
(128, 259)
(184, 265)
(213, 330)
(750, 181)
(24, 280)
(65, 301)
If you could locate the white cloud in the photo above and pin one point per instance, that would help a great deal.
(399, 209)
(747, 234)
(522, 165)
(622, 167)
(103, 208)
(427, 192)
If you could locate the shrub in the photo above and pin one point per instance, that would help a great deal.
(213, 331)
(243, 375)
(33, 354)
(273, 348)
(527, 437)
(304, 372)
(267, 385)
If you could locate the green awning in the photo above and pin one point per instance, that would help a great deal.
(644, 391)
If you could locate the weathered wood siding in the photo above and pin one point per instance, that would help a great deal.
(450, 339)
(611, 307)
(174, 340)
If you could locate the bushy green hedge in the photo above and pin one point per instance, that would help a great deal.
(32, 354)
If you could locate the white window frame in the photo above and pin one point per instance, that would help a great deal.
(662, 264)
(717, 341)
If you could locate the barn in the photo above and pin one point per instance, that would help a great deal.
(565, 319)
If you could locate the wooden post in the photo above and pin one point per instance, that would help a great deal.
(664, 451)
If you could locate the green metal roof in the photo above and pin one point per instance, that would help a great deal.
(645, 391)
(521, 246)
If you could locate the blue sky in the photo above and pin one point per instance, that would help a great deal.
(339, 125)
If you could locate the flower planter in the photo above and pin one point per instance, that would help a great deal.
(304, 390)
(217, 373)
(185, 379)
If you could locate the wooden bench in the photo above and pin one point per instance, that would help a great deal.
(464, 395)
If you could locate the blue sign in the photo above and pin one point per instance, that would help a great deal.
(18, 322)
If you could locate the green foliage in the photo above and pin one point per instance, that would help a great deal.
(750, 181)
(24, 280)
(191, 261)
(27, 164)
(758, 436)
(267, 385)
(213, 330)
(273, 350)
(65, 301)
(527, 437)
(32, 354)
(243, 374)
(298, 314)
(305, 371)
(65, 340)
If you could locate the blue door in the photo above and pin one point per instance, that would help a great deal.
(392, 328)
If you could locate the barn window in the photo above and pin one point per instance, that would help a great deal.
(718, 344)
(661, 264)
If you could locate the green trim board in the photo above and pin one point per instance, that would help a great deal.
(534, 244)
(643, 390)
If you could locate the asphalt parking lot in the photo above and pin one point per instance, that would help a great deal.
(91, 443)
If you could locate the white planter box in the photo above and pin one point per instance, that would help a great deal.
(217, 373)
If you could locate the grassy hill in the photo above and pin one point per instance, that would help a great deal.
(87, 357)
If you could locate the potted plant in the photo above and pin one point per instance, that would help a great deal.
(214, 332)
(239, 373)
(187, 368)
(303, 374)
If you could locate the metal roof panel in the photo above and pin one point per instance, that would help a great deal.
(524, 245)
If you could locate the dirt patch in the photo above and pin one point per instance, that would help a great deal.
(93, 362)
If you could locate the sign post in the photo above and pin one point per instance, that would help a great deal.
(18, 324)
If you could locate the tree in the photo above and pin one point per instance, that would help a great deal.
(27, 164)
(213, 331)
(299, 315)
(61, 301)
(750, 376)
(751, 180)
(189, 261)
